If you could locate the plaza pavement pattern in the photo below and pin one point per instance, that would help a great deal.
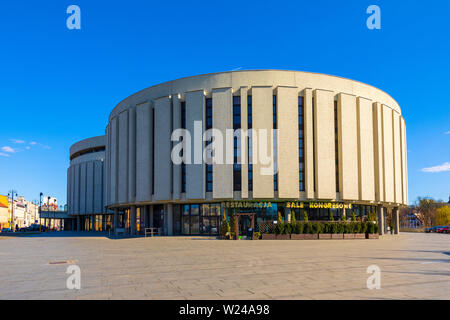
(413, 266)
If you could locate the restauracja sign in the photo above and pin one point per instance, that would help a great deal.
(289, 205)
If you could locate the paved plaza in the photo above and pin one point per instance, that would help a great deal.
(413, 266)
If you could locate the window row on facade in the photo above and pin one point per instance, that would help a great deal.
(329, 146)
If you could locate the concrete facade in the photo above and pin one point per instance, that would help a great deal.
(361, 161)
(86, 178)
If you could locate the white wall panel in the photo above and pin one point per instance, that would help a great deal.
(83, 183)
(107, 170)
(404, 163)
(69, 191)
(325, 168)
(309, 143)
(176, 168)
(348, 147)
(144, 158)
(123, 158)
(378, 151)
(195, 173)
(98, 187)
(388, 153)
(222, 120)
(366, 167)
(114, 150)
(163, 162)
(132, 154)
(89, 187)
(287, 154)
(262, 113)
(76, 189)
(396, 138)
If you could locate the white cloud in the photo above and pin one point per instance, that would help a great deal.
(17, 141)
(443, 167)
(27, 147)
(8, 149)
(448, 132)
(4, 154)
(33, 143)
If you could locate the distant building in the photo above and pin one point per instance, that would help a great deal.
(4, 212)
(49, 204)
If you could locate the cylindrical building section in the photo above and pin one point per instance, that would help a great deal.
(338, 144)
(86, 181)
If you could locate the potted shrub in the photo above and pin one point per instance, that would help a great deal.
(256, 236)
(325, 230)
(297, 233)
(309, 232)
(360, 231)
(338, 231)
(372, 230)
(233, 227)
(350, 229)
(283, 231)
(225, 229)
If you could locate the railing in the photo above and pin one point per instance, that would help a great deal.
(152, 232)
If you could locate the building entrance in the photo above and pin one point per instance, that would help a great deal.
(158, 216)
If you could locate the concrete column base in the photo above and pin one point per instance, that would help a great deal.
(146, 218)
(380, 214)
(395, 216)
(151, 216)
(169, 219)
(116, 220)
(133, 220)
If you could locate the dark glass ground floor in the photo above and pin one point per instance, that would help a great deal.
(205, 218)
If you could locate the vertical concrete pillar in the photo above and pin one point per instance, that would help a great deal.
(146, 213)
(78, 224)
(132, 155)
(151, 216)
(169, 219)
(125, 221)
(395, 216)
(133, 220)
(380, 214)
(344, 214)
(116, 220)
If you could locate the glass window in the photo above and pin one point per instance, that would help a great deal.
(336, 144)
(275, 175)
(183, 165)
(250, 150)
(301, 146)
(236, 144)
(185, 220)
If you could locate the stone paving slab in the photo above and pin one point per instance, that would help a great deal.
(413, 266)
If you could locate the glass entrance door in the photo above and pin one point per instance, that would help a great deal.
(244, 224)
(158, 216)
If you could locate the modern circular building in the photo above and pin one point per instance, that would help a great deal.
(263, 142)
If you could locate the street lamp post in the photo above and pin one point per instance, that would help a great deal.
(12, 193)
(50, 220)
(40, 204)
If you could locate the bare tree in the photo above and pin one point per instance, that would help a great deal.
(426, 210)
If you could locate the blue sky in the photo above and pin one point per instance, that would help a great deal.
(58, 86)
